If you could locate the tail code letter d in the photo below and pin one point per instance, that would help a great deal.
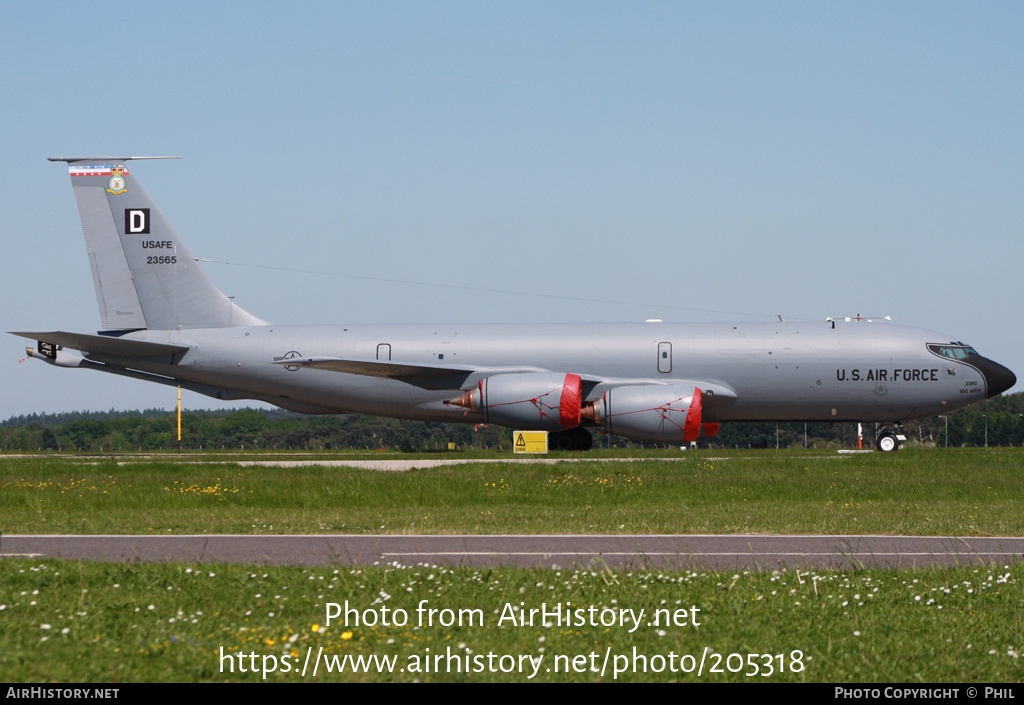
(136, 221)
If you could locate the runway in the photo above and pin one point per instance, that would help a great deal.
(711, 552)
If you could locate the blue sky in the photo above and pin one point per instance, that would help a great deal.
(709, 161)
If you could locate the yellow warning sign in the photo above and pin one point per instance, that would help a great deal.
(530, 441)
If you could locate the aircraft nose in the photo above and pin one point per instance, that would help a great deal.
(997, 378)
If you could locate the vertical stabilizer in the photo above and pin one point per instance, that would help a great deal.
(145, 277)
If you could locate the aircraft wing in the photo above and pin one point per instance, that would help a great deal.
(425, 376)
(102, 344)
(440, 376)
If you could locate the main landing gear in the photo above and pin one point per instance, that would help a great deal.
(577, 438)
(889, 438)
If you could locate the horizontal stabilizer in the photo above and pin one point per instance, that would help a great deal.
(98, 160)
(102, 344)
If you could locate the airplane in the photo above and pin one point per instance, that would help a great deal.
(165, 321)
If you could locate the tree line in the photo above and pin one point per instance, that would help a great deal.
(995, 422)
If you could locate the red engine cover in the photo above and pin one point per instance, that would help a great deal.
(691, 429)
(570, 406)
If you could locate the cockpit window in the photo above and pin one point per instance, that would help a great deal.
(954, 351)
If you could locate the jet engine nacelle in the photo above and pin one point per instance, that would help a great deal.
(541, 401)
(650, 412)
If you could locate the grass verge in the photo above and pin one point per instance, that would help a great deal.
(67, 621)
(932, 492)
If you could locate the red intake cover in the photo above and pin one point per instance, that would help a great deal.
(691, 429)
(570, 406)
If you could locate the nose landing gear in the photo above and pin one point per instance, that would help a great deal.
(890, 437)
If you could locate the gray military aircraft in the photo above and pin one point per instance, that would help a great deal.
(164, 321)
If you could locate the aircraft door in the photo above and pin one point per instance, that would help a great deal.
(384, 351)
(664, 357)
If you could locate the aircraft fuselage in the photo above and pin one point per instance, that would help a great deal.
(854, 371)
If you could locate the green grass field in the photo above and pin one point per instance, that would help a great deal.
(66, 621)
(79, 622)
(936, 491)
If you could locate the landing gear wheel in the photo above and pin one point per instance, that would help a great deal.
(561, 440)
(577, 438)
(582, 438)
(887, 442)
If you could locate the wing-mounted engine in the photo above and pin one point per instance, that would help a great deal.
(542, 401)
(667, 413)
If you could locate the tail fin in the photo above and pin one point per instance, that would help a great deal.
(145, 277)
